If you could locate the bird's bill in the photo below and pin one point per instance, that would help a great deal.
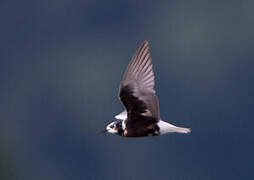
(104, 131)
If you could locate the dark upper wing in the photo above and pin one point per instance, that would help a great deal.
(137, 87)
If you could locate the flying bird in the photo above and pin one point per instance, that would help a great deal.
(141, 116)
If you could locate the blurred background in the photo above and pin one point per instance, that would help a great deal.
(61, 63)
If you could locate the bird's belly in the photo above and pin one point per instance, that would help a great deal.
(148, 131)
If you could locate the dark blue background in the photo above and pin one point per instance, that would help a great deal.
(60, 66)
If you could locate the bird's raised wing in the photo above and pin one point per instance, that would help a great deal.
(137, 87)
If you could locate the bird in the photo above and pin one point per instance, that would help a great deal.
(141, 116)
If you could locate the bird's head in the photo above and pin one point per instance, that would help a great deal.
(114, 127)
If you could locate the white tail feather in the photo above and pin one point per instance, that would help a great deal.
(182, 130)
(170, 128)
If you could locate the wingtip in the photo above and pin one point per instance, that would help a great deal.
(145, 42)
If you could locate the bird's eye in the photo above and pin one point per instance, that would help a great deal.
(112, 126)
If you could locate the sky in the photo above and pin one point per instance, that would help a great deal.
(61, 63)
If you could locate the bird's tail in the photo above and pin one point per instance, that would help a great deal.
(166, 127)
(182, 130)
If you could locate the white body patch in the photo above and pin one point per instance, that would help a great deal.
(122, 115)
(123, 124)
(167, 128)
(124, 128)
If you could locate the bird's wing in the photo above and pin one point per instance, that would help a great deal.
(122, 115)
(137, 87)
